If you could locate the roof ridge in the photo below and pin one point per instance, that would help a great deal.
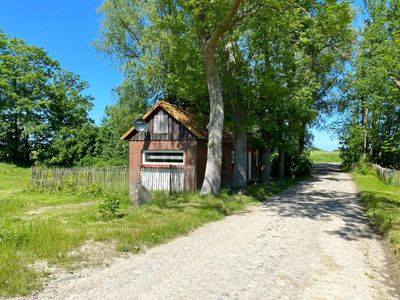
(184, 117)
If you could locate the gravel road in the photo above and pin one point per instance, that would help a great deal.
(311, 242)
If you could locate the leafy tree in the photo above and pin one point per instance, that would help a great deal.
(111, 150)
(371, 100)
(212, 22)
(40, 104)
(166, 43)
(297, 56)
(260, 62)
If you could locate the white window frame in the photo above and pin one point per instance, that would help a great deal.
(144, 162)
(257, 158)
(158, 119)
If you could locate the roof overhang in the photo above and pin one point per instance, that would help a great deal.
(183, 117)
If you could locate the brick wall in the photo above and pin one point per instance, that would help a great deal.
(226, 174)
(188, 146)
(195, 160)
(201, 162)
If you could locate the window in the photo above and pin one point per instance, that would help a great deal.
(161, 124)
(163, 157)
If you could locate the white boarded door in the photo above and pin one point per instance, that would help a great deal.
(163, 179)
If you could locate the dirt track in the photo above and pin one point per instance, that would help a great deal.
(311, 242)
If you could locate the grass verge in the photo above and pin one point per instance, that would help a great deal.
(49, 228)
(382, 203)
(320, 156)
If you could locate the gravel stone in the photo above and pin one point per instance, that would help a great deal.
(310, 242)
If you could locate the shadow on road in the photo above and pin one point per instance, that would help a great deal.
(325, 196)
(326, 201)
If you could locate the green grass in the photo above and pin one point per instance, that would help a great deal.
(382, 204)
(40, 226)
(319, 156)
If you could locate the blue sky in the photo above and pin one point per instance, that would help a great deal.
(66, 29)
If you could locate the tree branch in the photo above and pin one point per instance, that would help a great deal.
(251, 10)
(397, 82)
(130, 31)
(301, 8)
(223, 26)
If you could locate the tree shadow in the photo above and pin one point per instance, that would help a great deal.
(303, 201)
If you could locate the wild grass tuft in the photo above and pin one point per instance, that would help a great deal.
(382, 203)
(321, 156)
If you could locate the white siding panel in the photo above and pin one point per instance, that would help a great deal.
(162, 178)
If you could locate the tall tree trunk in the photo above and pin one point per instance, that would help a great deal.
(302, 138)
(240, 160)
(27, 150)
(16, 140)
(365, 125)
(281, 167)
(238, 112)
(266, 165)
(16, 135)
(212, 177)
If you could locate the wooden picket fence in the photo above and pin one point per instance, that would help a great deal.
(388, 176)
(113, 179)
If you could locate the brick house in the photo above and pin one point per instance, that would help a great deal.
(171, 153)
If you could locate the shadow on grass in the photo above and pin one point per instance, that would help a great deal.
(185, 201)
(228, 202)
(383, 211)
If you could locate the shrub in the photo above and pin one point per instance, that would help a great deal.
(92, 189)
(364, 168)
(296, 165)
(109, 207)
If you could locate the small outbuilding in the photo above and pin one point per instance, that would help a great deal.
(171, 153)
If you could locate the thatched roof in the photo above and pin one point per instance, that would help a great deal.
(187, 119)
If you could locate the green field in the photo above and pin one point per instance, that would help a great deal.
(40, 231)
(382, 203)
(319, 156)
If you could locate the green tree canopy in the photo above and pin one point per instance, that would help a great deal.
(371, 101)
(41, 105)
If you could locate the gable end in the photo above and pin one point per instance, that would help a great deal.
(175, 130)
